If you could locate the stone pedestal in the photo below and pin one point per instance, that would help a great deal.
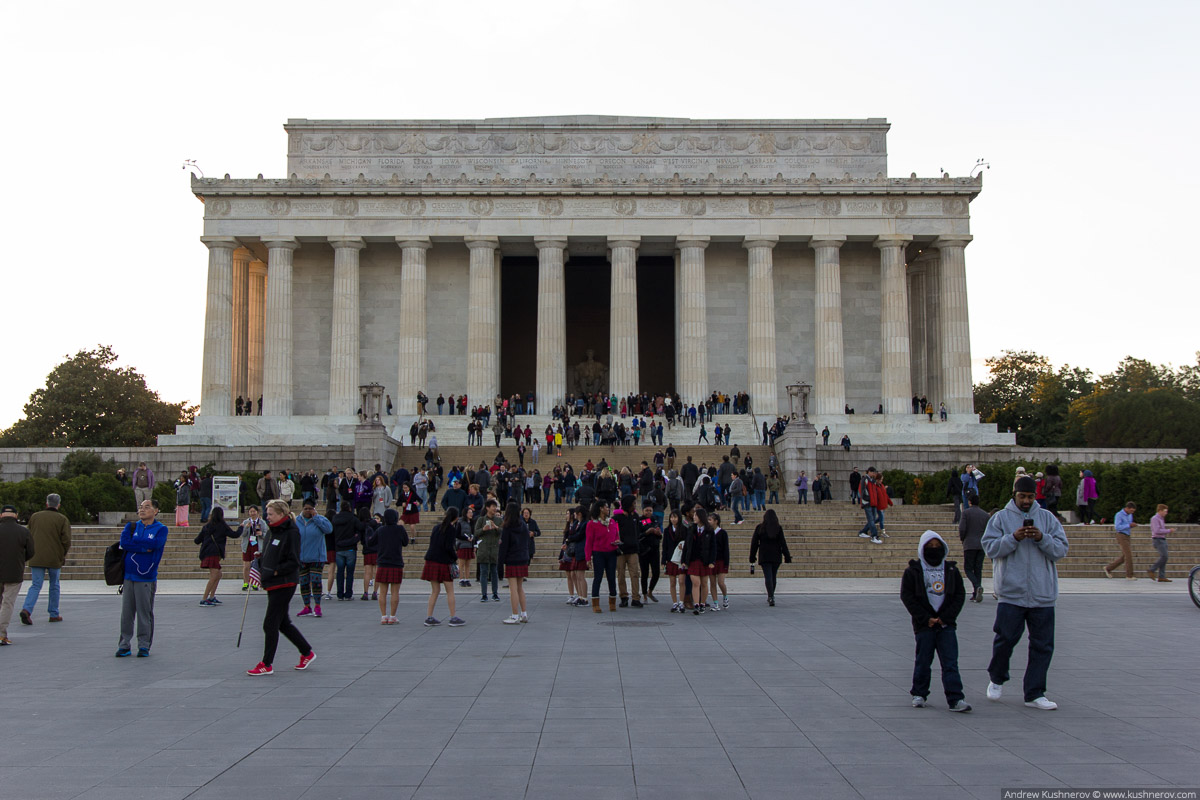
(797, 450)
(216, 383)
(760, 357)
(551, 324)
(277, 346)
(693, 309)
(624, 376)
(896, 378)
(414, 342)
(955, 330)
(344, 340)
(829, 387)
(483, 322)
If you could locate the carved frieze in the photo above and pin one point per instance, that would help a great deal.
(217, 207)
(345, 207)
(550, 207)
(279, 207)
(761, 206)
(481, 207)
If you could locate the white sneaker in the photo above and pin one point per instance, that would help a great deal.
(918, 701)
(571, 600)
(1042, 703)
(724, 602)
(876, 540)
(864, 536)
(512, 619)
(524, 617)
(961, 706)
(994, 691)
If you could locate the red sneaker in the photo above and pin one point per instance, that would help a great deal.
(261, 669)
(306, 660)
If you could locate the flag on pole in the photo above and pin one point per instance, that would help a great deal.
(255, 576)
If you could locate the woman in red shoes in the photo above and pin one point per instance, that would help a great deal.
(279, 565)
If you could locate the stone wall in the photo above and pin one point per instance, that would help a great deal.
(727, 319)
(795, 278)
(312, 321)
(861, 335)
(19, 463)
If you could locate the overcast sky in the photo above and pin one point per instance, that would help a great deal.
(1084, 246)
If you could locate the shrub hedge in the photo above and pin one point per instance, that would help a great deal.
(1170, 481)
(83, 497)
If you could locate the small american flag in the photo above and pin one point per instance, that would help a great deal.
(255, 575)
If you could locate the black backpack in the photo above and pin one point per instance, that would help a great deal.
(114, 565)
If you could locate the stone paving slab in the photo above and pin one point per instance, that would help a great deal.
(807, 699)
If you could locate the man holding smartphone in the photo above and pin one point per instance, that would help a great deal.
(1024, 542)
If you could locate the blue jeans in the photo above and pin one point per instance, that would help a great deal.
(345, 560)
(760, 499)
(35, 588)
(1011, 621)
(879, 518)
(870, 526)
(774, 497)
(736, 504)
(944, 642)
(205, 508)
(803, 498)
(489, 572)
(605, 566)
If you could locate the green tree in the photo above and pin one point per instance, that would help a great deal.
(1156, 418)
(89, 402)
(1007, 398)
(86, 462)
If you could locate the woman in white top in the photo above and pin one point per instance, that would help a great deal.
(420, 483)
(287, 488)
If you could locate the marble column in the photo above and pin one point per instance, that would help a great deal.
(918, 347)
(256, 312)
(551, 323)
(693, 308)
(414, 339)
(277, 345)
(343, 339)
(624, 377)
(483, 322)
(829, 383)
(241, 333)
(896, 367)
(216, 381)
(761, 372)
(955, 330)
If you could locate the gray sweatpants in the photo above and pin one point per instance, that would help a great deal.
(137, 599)
(1160, 566)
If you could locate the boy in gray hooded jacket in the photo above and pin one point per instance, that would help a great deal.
(932, 591)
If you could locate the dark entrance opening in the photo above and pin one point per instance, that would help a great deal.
(518, 325)
(588, 290)
(656, 324)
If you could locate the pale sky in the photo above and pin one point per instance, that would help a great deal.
(1084, 247)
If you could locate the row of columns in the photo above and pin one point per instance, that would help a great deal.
(248, 323)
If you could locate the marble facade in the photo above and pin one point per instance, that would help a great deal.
(379, 260)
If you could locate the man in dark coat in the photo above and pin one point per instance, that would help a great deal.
(16, 547)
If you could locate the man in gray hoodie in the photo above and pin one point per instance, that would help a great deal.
(1024, 541)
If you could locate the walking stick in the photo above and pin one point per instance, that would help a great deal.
(245, 607)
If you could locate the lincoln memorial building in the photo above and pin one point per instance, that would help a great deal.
(547, 254)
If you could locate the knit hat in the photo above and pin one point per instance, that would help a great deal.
(1025, 484)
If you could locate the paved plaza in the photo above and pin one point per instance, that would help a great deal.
(807, 699)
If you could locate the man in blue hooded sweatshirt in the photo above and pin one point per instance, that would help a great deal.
(1024, 541)
(932, 591)
(143, 542)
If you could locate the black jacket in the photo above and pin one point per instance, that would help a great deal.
(211, 539)
(585, 495)
(706, 496)
(912, 593)
(514, 545)
(689, 472)
(699, 546)
(347, 530)
(391, 541)
(650, 537)
(279, 556)
(370, 538)
(765, 550)
(670, 540)
(441, 544)
(16, 547)
(721, 546)
(630, 531)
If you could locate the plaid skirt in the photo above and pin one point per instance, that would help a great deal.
(250, 554)
(516, 571)
(720, 568)
(573, 565)
(411, 519)
(212, 562)
(697, 569)
(389, 575)
(673, 569)
(466, 553)
(436, 573)
(370, 559)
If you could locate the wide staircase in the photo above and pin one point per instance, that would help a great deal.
(822, 539)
